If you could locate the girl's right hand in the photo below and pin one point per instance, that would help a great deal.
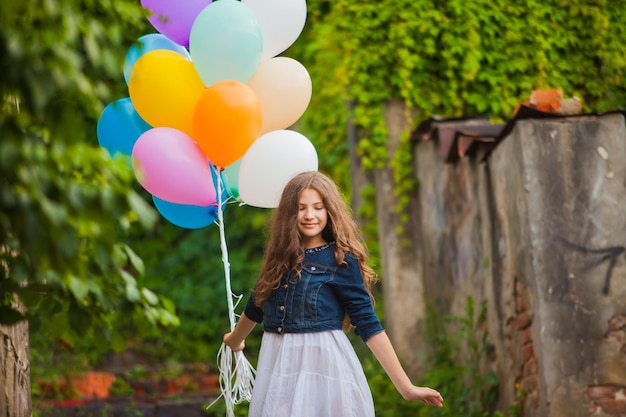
(232, 344)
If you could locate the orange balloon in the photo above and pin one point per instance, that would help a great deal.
(226, 121)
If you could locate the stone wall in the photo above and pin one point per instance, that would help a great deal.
(536, 227)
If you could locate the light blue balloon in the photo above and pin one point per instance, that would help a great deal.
(119, 127)
(226, 42)
(185, 215)
(147, 43)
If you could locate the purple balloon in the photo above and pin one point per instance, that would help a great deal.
(174, 18)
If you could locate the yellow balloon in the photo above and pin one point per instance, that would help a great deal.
(164, 88)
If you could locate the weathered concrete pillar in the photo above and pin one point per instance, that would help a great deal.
(454, 237)
(401, 263)
(559, 230)
(450, 231)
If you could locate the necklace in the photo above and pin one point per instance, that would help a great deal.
(319, 248)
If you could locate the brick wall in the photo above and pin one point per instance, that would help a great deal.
(610, 399)
(527, 379)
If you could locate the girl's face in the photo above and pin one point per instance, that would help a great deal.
(312, 218)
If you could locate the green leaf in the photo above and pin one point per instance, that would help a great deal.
(132, 293)
(10, 316)
(135, 260)
(150, 297)
(79, 288)
(145, 213)
(79, 321)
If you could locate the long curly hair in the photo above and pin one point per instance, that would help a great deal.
(285, 250)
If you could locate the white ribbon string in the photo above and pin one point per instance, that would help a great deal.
(236, 381)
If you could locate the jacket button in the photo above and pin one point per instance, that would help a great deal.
(285, 286)
(312, 268)
(280, 329)
(281, 308)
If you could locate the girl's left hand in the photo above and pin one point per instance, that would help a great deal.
(428, 396)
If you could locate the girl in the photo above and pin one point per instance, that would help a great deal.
(314, 282)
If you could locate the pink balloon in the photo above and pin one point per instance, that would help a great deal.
(171, 166)
(174, 18)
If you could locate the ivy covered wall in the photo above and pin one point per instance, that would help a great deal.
(454, 58)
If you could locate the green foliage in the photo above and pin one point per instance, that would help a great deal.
(107, 410)
(450, 59)
(219, 409)
(325, 122)
(469, 57)
(65, 206)
(120, 387)
(387, 401)
(81, 245)
(70, 216)
(454, 370)
(367, 214)
(405, 182)
(460, 345)
(186, 266)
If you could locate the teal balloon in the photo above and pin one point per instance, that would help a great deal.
(225, 194)
(226, 42)
(230, 178)
(119, 127)
(148, 43)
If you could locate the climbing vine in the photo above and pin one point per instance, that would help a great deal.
(453, 58)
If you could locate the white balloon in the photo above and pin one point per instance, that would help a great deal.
(283, 86)
(270, 162)
(281, 22)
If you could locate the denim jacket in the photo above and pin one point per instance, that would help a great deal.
(319, 299)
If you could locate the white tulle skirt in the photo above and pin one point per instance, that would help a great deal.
(310, 375)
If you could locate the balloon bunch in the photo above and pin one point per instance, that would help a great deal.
(210, 100)
(207, 117)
